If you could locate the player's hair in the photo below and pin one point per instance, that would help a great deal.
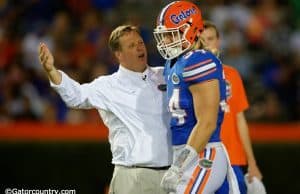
(116, 34)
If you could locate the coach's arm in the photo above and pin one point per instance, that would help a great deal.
(75, 95)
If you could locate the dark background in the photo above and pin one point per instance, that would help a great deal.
(85, 166)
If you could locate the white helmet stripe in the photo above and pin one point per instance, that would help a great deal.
(163, 12)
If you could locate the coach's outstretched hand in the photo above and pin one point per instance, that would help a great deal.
(47, 60)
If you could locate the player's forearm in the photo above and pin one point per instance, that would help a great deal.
(200, 135)
(245, 137)
(206, 100)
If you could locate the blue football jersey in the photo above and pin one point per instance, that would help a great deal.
(191, 68)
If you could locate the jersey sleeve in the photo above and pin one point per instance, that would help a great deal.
(201, 66)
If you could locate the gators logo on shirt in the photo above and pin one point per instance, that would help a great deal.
(175, 79)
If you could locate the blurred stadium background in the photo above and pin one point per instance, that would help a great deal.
(43, 144)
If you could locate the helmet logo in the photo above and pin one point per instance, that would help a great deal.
(176, 19)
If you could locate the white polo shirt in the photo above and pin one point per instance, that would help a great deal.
(133, 109)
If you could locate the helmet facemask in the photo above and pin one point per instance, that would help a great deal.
(171, 42)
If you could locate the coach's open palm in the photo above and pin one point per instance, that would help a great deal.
(46, 57)
(47, 61)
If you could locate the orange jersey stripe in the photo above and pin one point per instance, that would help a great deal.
(192, 180)
(213, 154)
(198, 64)
(212, 157)
(205, 179)
(197, 171)
(201, 75)
(207, 174)
(194, 176)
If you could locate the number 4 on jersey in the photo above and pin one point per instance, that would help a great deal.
(174, 107)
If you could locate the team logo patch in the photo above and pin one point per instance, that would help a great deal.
(205, 163)
(175, 79)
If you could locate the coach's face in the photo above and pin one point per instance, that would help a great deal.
(133, 53)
